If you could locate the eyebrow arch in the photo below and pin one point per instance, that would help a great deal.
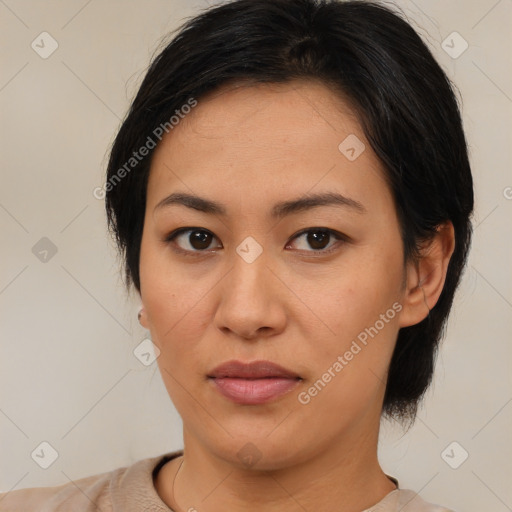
(278, 211)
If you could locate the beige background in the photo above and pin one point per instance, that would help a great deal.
(68, 375)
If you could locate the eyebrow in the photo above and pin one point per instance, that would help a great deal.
(278, 211)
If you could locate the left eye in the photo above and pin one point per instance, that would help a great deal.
(318, 239)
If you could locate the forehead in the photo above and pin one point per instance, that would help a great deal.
(274, 137)
(268, 112)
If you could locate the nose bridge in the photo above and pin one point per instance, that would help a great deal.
(248, 301)
(249, 275)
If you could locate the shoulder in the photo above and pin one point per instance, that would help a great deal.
(405, 500)
(104, 491)
(81, 494)
(411, 501)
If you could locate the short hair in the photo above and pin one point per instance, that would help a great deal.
(405, 103)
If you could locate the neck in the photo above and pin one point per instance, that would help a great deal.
(347, 473)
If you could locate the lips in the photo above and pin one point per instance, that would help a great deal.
(253, 383)
(254, 370)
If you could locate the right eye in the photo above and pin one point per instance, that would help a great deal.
(191, 240)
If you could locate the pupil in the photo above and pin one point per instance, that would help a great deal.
(316, 239)
(200, 239)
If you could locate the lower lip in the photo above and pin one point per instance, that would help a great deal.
(254, 391)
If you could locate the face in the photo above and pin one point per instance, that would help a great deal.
(266, 276)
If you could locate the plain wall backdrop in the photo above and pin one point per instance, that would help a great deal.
(68, 374)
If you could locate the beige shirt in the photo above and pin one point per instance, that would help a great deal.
(131, 489)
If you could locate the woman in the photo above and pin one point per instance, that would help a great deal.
(291, 195)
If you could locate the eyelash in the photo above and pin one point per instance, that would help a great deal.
(339, 237)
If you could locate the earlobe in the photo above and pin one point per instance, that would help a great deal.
(142, 317)
(426, 276)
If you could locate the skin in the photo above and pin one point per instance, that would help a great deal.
(250, 147)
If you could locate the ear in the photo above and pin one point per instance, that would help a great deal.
(426, 277)
(143, 318)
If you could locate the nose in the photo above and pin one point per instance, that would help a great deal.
(252, 302)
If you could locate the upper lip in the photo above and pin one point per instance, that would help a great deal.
(252, 370)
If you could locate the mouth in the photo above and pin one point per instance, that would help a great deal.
(253, 383)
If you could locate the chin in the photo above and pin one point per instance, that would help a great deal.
(263, 453)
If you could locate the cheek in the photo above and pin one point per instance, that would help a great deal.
(360, 304)
(353, 296)
(177, 313)
(349, 365)
(174, 301)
